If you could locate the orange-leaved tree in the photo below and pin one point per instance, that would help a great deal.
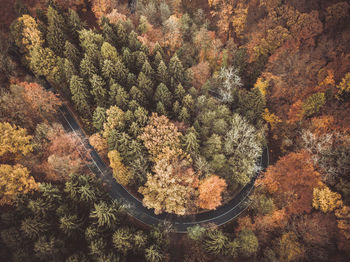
(210, 190)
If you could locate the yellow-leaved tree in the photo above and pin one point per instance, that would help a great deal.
(14, 180)
(14, 141)
(325, 200)
(120, 171)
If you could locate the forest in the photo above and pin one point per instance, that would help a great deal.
(179, 99)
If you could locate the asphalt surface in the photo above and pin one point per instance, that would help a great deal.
(220, 216)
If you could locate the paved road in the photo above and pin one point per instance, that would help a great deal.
(220, 216)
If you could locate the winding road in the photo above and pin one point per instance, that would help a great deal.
(220, 216)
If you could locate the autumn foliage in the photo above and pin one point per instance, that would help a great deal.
(210, 190)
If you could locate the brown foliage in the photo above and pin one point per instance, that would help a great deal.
(210, 190)
(294, 177)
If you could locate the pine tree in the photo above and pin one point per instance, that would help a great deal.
(48, 248)
(108, 32)
(176, 108)
(188, 103)
(98, 89)
(99, 117)
(40, 207)
(121, 72)
(127, 57)
(122, 38)
(132, 80)
(190, 141)
(141, 58)
(79, 95)
(134, 43)
(108, 70)
(179, 92)
(33, 227)
(72, 53)
(157, 59)
(153, 254)
(75, 24)
(55, 31)
(121, 98)
(109, 52)
(176, 69)
(162, 72)
(87, 67)
(161, 109)
(105, 214)
(122, 240)
(145, 85)
(163, 95)
(70, 224)
(147, 70)
(184, 115)
(69, 70)
(215, 242)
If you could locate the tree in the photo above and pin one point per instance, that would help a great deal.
(325, 200)
(120, 172)
(98, 89)
(74, 23)
(105, 214)
(14, 141)
(55, 31)
(99, 143)
(176, 69)
(14, 180)
(99, 117)
(290, 249)
(109, 52)
(210, 190)
(33, 228)
(43, 62)
(160, 134)
(190, 141)
(70, 224)
(242, 146)
(115, 120)
(293, 175)
(230, 82)
(79, 95)
(248, 243)
(344, 86)
(153, 254)
(215, 242)
(163, 95)
(26, 34)
(162, 72)
(88, 67)
(72, 53)
(313, 104)
(122, 240)
(47, 248)
(166, 190)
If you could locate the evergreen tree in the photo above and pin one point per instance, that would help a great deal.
(121, 98)
(121, 72)
(215, 242)
(179, 92)
(184, 115)
(87, 67)
(108, 32)
(162, 72)
(69, 70)
(70, 224)
(153, 254)
(99, 117)
(161, 109)
(137, 95)
(33, 227)
(109, 52)
(190, 141)
(176, 69)
(79, 95)
(105, 214)
(147, 70)
(141, 58)
(145, 85)
(98, 89)
(163, 95)
(48, 248)
(132, 80)
(72, 53)
(123, 240)
(188, 103)
(122, 38)
(176, 108)
(127, 57)
(108, 70)
(55, 31)
(133, 43)
(75, 24)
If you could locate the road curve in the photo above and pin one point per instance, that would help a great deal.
(220, 216)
